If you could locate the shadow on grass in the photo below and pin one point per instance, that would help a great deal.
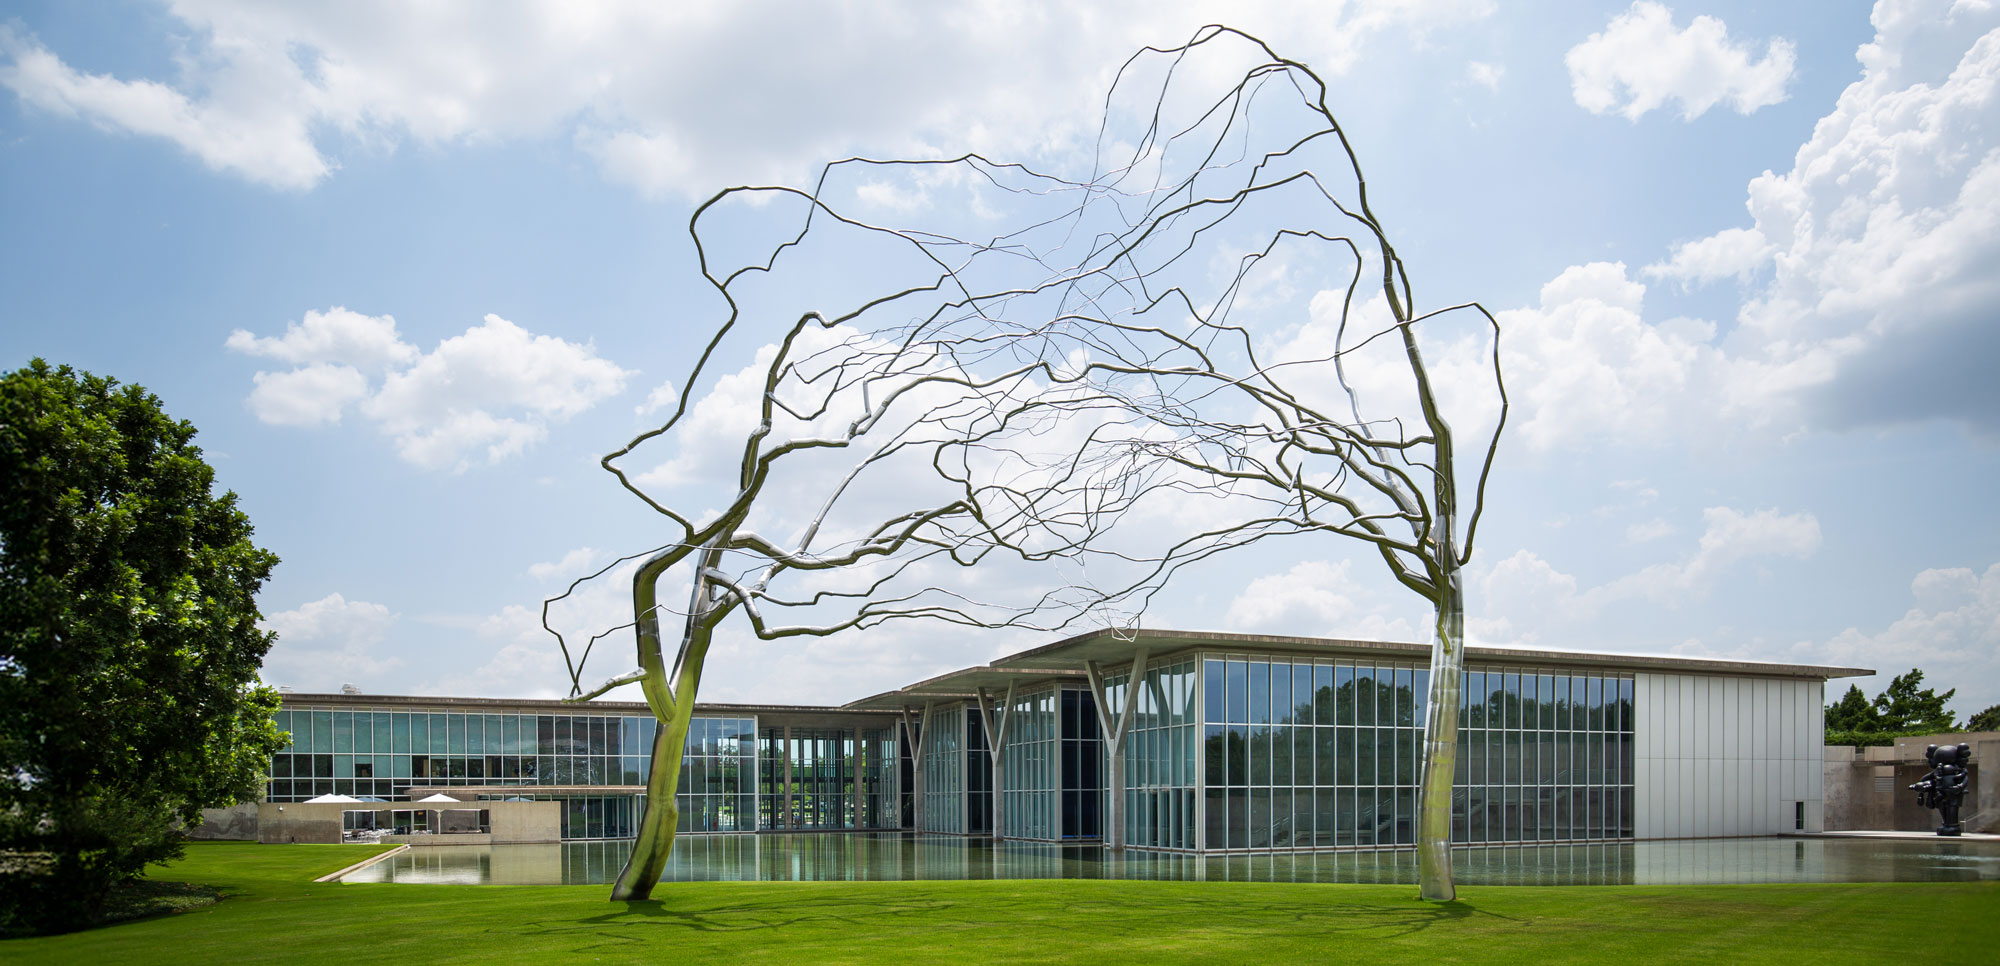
(919, 918)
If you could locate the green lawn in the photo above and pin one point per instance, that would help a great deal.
(272, 911)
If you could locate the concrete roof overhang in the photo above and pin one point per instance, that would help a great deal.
(793, 714)
(1113, 648)
(962, 685)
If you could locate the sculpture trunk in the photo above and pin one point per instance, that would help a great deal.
(1434, 801)
(655, 843)
(673, 708)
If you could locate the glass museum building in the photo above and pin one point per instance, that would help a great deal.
(1163, 740)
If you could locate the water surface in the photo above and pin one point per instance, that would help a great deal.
(889, 856)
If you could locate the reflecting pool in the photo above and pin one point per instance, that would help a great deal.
(889, 856)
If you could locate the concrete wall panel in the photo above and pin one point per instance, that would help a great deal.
(1721, 756)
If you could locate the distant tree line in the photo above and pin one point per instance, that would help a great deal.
(1903, 708)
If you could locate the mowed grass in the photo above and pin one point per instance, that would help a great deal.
(273, 912)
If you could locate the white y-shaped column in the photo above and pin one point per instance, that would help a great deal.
(996, 743)
(914, 730)
(1113, 734)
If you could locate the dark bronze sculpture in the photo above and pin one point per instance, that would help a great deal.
(1944, 788)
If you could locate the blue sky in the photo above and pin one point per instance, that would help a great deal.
(411, 273)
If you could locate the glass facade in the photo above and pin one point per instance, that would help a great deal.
(1306, 754)
(1326, 754)
(1082, 766)
(1543, 756)
(827, 778)
(718, 776)
(382, 754)
(378, 754)
(1031, 768)
(942, 745)
(1053, 768)
(1159, 755)
(1224, 752)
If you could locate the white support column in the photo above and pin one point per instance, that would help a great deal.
(922, 727)
(786, 801)
(1112, 731)
(860, 776)
(996, 743)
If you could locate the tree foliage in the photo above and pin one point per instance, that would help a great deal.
(1905, 707)
(129, 646)
(1987, 720)
(1902, 706)
(1853, 712)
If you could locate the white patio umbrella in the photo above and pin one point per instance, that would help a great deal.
(439, 797)
(332, 798)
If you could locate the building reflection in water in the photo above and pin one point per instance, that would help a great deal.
(821, 857)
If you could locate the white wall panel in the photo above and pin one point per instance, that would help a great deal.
(1722, 755)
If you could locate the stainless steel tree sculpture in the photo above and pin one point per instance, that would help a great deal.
(1123, 373)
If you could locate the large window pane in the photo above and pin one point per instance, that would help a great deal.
(1259, 676)
(1302, 694)
(1344, 694)
(1323, 694)
(1324, 757)
(1260, 816)
(1214, 707)
(1239, 691)
(1260, 755)
(1281, 691)
(343, 731)
(1364, 759)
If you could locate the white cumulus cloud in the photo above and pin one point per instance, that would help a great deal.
(670, 99)
(481, 396)
(573, 564)
(1484, 74)
(1731, 252)
(1952, 632)
(1316, 598)
(1640, 61)
(1586, 365)
(248, 127)
(662, 396)
(1886, 234)
(306, 396)
(1523, 597)
(337, 335)
(329, 642)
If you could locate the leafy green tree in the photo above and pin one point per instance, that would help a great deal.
(1987, 720)
(129, 646)
(1903, 707)
(1853, 712)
